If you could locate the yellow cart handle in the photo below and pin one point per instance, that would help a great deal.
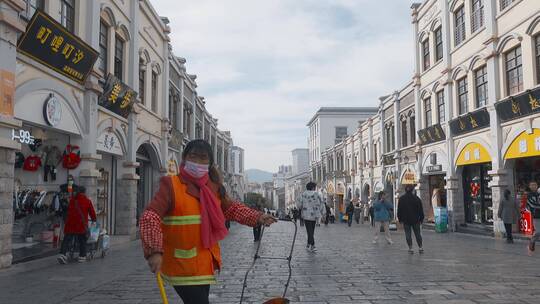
(162, 288)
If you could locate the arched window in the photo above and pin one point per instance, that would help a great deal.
(505, 4)
(404, 138)
(103, 46)
(459, 25)
(438, 44)
(514, 71)
(477, 17)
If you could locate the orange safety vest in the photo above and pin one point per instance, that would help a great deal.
(185, 260)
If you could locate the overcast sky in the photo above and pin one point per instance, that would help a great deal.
(265, 67)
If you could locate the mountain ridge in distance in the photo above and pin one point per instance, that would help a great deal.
(258, 176)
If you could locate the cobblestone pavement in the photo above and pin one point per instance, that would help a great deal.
(347, 268)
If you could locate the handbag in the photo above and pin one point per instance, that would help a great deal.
(87, 231)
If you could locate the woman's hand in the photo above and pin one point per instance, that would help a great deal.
(154, 262)
(266, 219)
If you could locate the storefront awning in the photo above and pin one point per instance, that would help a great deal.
(473, 153)
(524, 145)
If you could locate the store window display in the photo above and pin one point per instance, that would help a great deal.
(477, 194)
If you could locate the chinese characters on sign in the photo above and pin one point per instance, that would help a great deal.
(22, 136)
(470, 122)
(117, 96)
(518, 106)
(49, 43)
(109, 142)
(7, 92)
(431, 134)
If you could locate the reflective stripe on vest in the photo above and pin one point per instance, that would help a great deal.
(193, 280)
(185, 254)
(182, 220)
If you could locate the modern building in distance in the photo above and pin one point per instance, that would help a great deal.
(300, 160)
(329, 126)
(295, 184)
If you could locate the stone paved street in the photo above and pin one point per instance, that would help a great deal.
(347, 268)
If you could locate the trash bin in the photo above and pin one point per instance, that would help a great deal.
(441, 219)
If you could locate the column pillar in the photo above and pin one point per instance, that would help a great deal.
(10, 26)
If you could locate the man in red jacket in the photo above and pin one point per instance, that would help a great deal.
(80, 207)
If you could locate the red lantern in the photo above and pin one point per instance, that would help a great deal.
(72, 157)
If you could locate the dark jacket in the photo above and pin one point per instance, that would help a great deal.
(350, 209)
(410, 210)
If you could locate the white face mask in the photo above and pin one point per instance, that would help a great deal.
(196, 170)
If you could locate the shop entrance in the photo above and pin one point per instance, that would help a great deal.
(477, 194)
(41, 196)
(366, 193)
(437, 192)
(144, 171)
(106, 192)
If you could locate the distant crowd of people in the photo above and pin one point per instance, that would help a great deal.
(311, 210)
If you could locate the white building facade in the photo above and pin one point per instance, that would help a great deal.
(115, 106)
(476, 84)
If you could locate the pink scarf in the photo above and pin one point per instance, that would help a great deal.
(213, 227)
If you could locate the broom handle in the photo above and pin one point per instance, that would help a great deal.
(162, 289)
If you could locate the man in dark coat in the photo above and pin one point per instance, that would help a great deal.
(411, 215)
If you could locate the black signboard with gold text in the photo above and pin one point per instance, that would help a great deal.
(470, 122)
(117, 96)
(52, 45)
(431, 134)
(519, 106)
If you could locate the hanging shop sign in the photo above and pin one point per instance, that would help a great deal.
(117, 96)
(49, 43)
(524, 145)
(388, 160)
(519, 106)
(409, 178)
(110, 143)
(330, 188)
(22, 136)
(434, 168)
(431, 134)
(52, 110)
(473, 153)
(470, 122)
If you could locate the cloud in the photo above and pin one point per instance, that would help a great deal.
(265, 67)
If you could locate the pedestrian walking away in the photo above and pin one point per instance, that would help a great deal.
(509, 211)
(183, 224)
(371, 214)
(257, 229)
(328, 214)
(357, 213)
(533, 204)
(312, 208)
(382, 210)
(350, 213)
(76, 227)
(411, 215)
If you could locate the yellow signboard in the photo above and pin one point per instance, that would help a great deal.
(409, 178)
(525, 145)
(473, 153)
(330, 188)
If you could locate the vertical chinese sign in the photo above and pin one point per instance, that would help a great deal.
(7, 92)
